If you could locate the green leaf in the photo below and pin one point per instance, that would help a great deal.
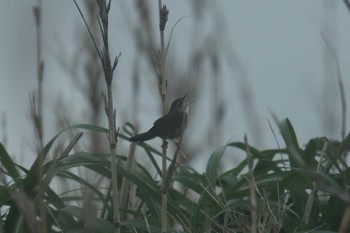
(290, 139)
(288, 133)
(98, 225)
(212, 170)
(8, 163)
(310, 153)
(345, 145)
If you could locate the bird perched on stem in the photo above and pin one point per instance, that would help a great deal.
(170, 126)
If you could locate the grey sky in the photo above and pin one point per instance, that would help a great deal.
(278, 45)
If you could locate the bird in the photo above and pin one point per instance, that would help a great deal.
(170, 126)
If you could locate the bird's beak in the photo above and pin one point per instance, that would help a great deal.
(185, 96)
(188, 102)
(186, 105)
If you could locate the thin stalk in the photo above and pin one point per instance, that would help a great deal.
(344, 225)
(252, 185)
(40, 68)
(164, 193)
(171, 169)
(110, 111)
(126, 185)
(38, 114)
(341, 86)
(313, 193)
(163, 17)
(108, 70)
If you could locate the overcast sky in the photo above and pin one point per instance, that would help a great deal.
(278, 45)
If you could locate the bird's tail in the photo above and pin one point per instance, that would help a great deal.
(143, 137)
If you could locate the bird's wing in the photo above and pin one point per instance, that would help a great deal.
(160, 121)
(175, 120)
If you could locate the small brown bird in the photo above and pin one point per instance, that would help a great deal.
(170, 126)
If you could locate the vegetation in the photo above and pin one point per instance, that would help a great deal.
(297, 189)
(291, 188)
